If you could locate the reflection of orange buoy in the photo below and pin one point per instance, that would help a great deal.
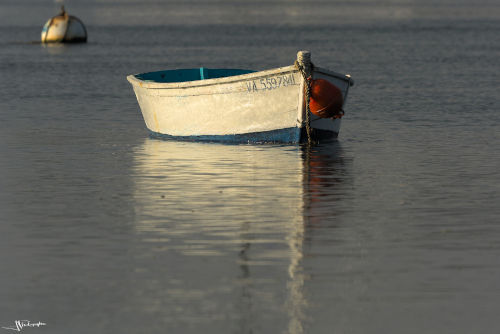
(326, 99)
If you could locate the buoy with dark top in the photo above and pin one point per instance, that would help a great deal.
(64, 28)
(326, 99)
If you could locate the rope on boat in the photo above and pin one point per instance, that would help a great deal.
(305, 67)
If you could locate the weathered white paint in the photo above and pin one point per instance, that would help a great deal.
(231, 105)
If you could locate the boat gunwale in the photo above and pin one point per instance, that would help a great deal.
(227, 80)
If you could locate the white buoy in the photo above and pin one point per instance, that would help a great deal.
(64, 28)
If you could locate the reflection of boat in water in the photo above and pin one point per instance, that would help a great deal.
(237, 179)
(325, 179)
(64, 28)
(324, 169)
(234, 105)
(237, 214)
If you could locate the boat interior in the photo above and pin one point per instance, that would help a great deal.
(191, 74)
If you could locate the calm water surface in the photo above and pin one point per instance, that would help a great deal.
(394, 228)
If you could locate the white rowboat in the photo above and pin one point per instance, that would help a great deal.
(233, 105)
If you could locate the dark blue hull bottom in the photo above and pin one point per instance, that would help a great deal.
(288, 135)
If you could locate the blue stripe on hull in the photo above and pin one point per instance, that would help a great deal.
(288, 135)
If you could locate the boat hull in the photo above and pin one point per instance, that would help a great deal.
(288, 135)
(265, 106)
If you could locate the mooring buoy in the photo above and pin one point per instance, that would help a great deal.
(64, 28)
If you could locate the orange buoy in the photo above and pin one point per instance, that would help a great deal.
(326, 99)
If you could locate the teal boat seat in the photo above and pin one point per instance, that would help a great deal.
(191, 74)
